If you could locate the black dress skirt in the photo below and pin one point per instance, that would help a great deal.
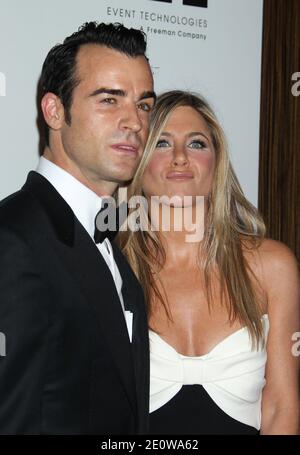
(192, 411)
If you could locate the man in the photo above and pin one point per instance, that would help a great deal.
(71, 310)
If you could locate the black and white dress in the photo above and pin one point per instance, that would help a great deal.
(216, 393)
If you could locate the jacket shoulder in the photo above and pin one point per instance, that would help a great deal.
(14, 207)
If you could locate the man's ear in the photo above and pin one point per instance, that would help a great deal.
(53, 111)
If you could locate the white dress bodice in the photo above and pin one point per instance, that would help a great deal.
(231, 373)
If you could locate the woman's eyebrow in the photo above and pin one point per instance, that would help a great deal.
(193, 133)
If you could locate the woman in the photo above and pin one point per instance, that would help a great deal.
(223, 306)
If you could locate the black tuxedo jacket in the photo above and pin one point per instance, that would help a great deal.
(69, 366)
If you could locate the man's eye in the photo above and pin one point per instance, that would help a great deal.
(197, 144)
(162, 143)
(145, 107)
(108, 101)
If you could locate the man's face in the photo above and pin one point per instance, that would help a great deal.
(109, 117)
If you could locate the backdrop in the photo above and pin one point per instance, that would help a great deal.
(212, 47)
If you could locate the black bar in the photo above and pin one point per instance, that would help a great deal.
(199, 3)
(160, 444)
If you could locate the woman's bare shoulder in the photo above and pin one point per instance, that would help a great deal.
(276, 254)
(271, 252)
(279, 266)
(273, 263)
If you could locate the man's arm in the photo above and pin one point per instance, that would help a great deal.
(23, 324)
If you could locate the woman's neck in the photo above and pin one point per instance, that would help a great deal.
(179, 225)
(181, 231)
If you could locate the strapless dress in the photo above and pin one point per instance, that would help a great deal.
(216, 393)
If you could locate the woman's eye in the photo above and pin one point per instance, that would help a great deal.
(197, 144)
(162, 143)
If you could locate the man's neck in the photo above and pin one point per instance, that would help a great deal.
(101, 187)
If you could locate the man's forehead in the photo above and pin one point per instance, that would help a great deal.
(92, 57)
(94, 50)
(98, 66)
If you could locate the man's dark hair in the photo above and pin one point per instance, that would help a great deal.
(59, 69)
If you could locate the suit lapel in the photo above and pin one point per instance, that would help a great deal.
(134, 301)
(91, 275)
(129, 288)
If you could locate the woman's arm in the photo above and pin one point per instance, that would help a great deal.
(280, 401)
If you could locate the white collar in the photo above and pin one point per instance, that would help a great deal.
(83, 201)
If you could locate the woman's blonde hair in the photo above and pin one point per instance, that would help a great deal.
(231, 221)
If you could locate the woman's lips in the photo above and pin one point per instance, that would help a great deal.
(179, 175)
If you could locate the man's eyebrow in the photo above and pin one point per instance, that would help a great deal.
(108, 91)
(148, 94)
(119, 92)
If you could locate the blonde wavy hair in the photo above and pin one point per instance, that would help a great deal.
(232, 224)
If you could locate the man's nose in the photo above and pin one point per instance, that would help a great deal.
(131, 119)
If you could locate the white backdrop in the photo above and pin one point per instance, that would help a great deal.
(215, 51)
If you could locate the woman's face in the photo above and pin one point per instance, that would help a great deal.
(183, 162)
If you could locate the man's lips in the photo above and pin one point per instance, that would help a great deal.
(125, 147)
(179, 175)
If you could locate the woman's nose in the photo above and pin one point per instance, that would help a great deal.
(179, 157)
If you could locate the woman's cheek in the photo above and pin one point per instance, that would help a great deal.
(206, 162)
(151, 176)
(155, 167)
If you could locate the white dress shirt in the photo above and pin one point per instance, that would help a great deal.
(85, 204)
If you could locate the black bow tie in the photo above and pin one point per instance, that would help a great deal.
(109, 219)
